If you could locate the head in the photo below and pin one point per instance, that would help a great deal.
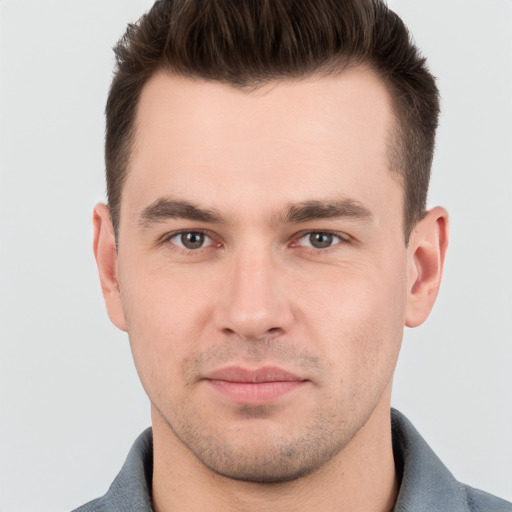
(266, 238)
(247, 44)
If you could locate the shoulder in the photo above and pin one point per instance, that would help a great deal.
(426, 483)
(480, 501)
(131, 490)
(97, 505)
(111, 503)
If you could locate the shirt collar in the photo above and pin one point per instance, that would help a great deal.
(426, 482)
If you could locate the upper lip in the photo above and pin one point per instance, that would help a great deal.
(264, 374)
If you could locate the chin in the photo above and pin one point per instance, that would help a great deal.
(270, 468)
(264, 458)
(268, 474)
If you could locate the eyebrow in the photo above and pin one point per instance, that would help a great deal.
(318, 210)
(165, 208)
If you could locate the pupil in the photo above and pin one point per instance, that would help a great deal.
(192, 240)
(321, 240)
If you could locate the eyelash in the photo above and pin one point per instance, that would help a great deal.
(169, 236)
(343, 240)
(343, 237)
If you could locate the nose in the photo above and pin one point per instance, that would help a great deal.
(253, 303)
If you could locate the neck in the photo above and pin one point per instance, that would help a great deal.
(360, 478)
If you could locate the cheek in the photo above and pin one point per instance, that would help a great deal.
(357, 314)
(166, 311)
(165, 299)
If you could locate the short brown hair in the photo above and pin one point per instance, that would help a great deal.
(246, 43)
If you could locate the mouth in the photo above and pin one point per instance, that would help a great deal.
(255, 387)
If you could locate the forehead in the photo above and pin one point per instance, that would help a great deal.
(311, 109)
(286, 141)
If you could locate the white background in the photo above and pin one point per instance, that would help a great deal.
(70, 401)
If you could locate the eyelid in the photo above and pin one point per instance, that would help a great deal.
(167, 238)
(344, 237)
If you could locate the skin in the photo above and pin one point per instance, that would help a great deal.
(259, 291)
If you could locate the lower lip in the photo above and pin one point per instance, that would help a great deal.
(255, 392)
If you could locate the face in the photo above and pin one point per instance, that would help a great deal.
(262, 268)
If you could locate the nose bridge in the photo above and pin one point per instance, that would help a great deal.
(253, 303)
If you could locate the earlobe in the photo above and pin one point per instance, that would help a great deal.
(426, 254)
(105, 252)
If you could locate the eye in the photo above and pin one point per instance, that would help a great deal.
(319, 240)
(191, 240)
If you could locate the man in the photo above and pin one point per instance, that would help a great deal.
(265, 243)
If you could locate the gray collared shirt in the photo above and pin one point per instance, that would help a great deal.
(426, 483)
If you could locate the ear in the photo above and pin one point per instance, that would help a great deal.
(426, 253)
(105, 252)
